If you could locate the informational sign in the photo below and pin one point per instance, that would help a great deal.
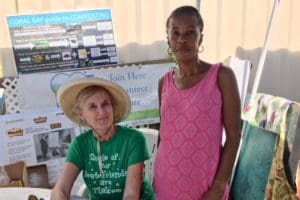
(37, 137)
(60, 41)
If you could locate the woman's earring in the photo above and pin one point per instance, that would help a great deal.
(83, 119)
(170, 52)
(172, 56)
(201, 49)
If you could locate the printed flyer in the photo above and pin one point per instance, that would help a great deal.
(37, 137)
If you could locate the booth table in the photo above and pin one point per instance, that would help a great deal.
(22, 193)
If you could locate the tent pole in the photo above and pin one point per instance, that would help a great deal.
(265, 49)
(198, 4)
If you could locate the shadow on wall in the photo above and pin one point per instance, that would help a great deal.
(7, 64)
(135, 52)
(280, 75)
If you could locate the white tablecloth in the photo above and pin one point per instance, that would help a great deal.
(22, 193)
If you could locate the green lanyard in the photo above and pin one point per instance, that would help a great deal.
(100, 163)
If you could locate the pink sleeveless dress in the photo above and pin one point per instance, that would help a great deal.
(191, 134)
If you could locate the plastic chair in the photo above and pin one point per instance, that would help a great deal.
(151, 136)
(83, 191)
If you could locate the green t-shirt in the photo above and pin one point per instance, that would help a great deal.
(127, 147)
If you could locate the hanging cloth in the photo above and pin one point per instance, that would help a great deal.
(278, 187)
(270, 113)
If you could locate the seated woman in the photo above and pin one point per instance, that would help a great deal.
(111, 156)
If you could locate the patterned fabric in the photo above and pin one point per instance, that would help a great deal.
(293, 141)
(270, 113)
(278, 187)
(266, 111)
(298, 180)
(191, 134)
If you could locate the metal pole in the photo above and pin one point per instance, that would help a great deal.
(265, 49)
(198, 3)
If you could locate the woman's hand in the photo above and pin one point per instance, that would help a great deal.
(216, 192)
(63, 186)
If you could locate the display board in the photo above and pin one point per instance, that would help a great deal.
(60, 41)
(37, 137)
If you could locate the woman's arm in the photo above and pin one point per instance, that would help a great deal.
(63, 186)
(134, 182)
(231, 112)
(160, 84)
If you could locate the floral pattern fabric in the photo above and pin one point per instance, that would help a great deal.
(266, 111)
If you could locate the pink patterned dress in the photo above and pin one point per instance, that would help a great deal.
(191, 135)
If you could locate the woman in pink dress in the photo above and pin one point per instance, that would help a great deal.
(197, 100)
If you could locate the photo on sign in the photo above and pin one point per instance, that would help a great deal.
(52, 145)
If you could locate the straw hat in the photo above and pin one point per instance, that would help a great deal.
(67, 93)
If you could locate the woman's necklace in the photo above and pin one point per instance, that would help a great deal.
(100, 162)
(186, 76)
(183, 76)
(105, 136)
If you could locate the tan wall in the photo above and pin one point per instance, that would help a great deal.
(235, 27)
(232, 28)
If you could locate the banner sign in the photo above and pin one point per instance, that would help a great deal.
(60, 41)
(140, 82)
